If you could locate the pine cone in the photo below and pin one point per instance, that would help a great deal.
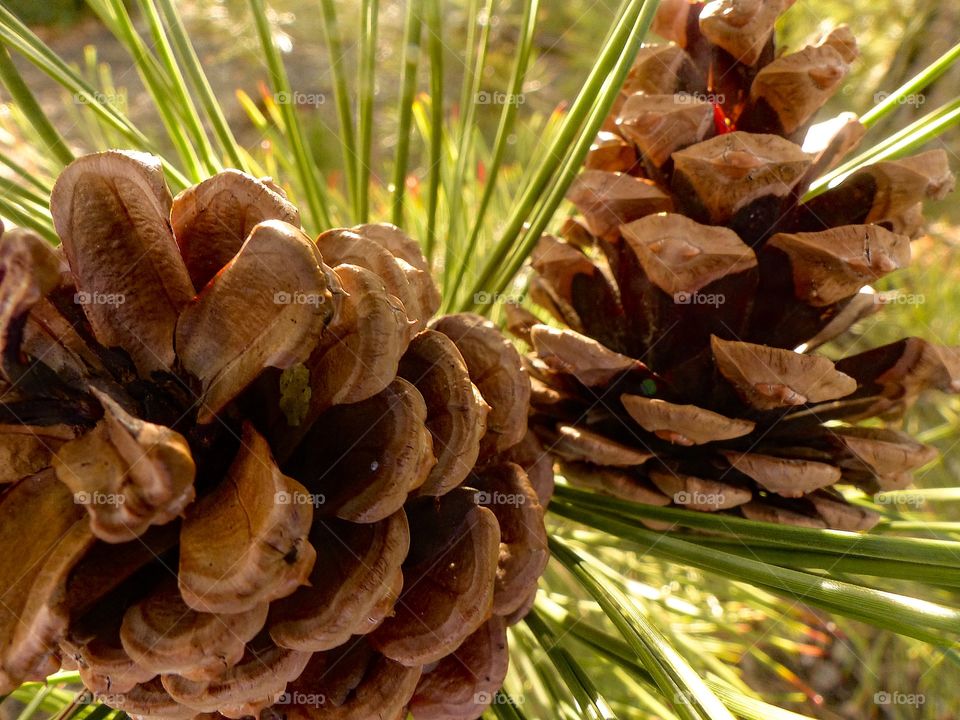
(251, 478)
(696, 282)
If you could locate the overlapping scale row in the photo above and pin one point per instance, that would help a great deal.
(258, 477)
(690, 292)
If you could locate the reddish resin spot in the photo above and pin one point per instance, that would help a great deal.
(721, 122)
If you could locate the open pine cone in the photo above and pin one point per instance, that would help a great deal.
(240, 473)
(695, 283)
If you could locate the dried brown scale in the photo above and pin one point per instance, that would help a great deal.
(448, 579)
(108, 209)
(345, 247)
(26, 450)
(145, 468)
(107, 567)
(55, 338)
(586, 359)
(884, 451)
(836, 512)
(769, 378)
(888, 193)
(355, 570)
(726, 178)
(163, 635)
(30, 269)
(242, 545)
(381, 444)
(531, 456)
(610, 152)
(237, 451)
(741, 27)
(659, 125)
(505, 489)
(695, 284)
(262, 284)
(562, 266)
(94, 644)
(831, 140)
(680, 256)
(830, 266)
(683, 424)
(794, 86)
(254, 683)
(212, 219)
(411, 261)
(497, 370)
(575, 443)
(659, 70)
(352, 682)
(698, 493)
(455, 689)
(610, 199)
(34, 614)
(148, 700)
(370, 324)
(457, 416)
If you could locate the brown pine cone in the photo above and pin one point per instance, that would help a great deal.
(252, 478)
(696, 283)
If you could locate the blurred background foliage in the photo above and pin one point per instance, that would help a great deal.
(897, 39)
(795, 657)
